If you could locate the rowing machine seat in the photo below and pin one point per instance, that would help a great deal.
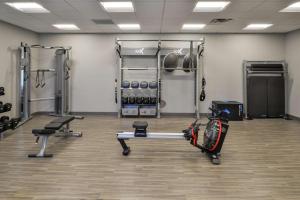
(140, 125)
(140, 128)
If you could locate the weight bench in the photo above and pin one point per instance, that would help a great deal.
(60, 127)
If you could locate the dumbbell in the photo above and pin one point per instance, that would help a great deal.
(2, 91)
(1, 107)
(146, 100)
(9, 124)
(125, 100)
(2, 127)
(6, 107)
(139, 99)
(4, 118)
(131, 99)
(5, 125)
(153, 100)
(14, 122)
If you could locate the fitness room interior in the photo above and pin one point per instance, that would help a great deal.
(149, 99)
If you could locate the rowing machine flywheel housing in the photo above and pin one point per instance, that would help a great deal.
(214, 135)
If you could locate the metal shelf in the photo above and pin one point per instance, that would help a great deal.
(138, 88)
(180, 68)
(138, 68)
(139, 104)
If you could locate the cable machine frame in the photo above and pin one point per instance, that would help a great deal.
(24, 71)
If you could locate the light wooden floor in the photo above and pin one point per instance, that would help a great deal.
(260, 160)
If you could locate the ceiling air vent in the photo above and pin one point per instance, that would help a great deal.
(103, 21)
(220, 20)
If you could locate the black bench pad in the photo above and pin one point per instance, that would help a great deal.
(54, 126)
(65, 120)
(59, 122)
(140, 125)
(38, 132)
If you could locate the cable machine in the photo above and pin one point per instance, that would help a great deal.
(62, 78)
(192, 62)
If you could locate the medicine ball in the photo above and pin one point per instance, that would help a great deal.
(144, 84)
(170, 61)
(125, 84)
(187, 60)
(135, 84)
(153, 85)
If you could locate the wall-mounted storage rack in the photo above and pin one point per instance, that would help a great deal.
(130, 59)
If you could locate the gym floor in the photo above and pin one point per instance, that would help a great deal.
(257, 163)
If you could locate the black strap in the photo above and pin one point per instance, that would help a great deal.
(203, 95)
(43, 80)
(37, 79)
(116, 91)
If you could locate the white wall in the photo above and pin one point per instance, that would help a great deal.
(293, 58)
(10, 39)
(93, 71)
(94, 68)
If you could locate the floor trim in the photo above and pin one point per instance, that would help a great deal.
(294, 117)
(116, 114)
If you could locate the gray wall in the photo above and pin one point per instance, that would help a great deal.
(10, 39)
(293, 58)
(94, 68)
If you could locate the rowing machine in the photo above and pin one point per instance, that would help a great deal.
(214, 135)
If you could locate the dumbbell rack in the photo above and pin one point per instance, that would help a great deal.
(10, 124)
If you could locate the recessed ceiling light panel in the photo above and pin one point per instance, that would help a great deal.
(129, 26)
(123, 6)
(193, 26)
(211, 6)
(257, 26)
(67, 27)
(28, 7)
(295, 7)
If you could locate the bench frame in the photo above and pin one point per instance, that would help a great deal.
(63, 131)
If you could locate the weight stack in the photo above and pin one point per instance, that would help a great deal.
(235, 108)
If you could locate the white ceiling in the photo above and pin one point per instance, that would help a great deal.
(154, 16)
